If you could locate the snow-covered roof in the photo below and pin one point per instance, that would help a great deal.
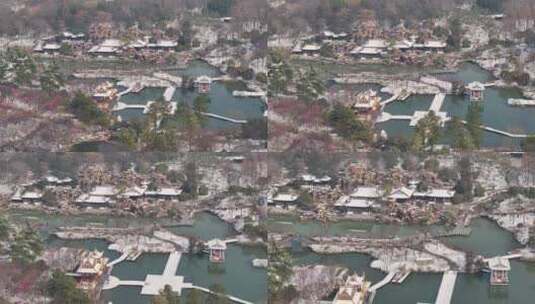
(216, 244)
(297, 49)
(311, 48)
(55, 180)
(366, 51)
(367, 192)
(376, 44)
(314, 179)
(346, 201)
(138, 44)
(112, 43)
(31, 195)
(203, 79)
(72, 35)
(165, 192)
(285, 197)
(435, 44)
(499, 263)
(330, 34)
(104, 191)
(436, 193)
(93, 199)
(403, 44)
(51, 46)
(17, 196)
(401, 193)
(103, 49)
(165, 43)
(475, 86)
(134, 192)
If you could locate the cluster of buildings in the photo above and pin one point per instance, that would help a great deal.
(379, 47)
(107, 47)
(372, 48)
(33, 192)
(112, 47)
(102, 196)
(361, 199)
(365, 198)
(106, 196)
(53, 44)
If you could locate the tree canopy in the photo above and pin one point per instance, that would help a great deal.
(62, 289)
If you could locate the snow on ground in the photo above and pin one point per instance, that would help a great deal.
(457, 257)
(409, 260)
(517, 223)
(316, 281)
(491, 176)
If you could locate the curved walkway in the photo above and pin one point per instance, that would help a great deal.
(384, 281)
(118, 260)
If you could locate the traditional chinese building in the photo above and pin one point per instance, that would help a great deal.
(91, 271)
(203, 83)
(499, 271)
(367, 103)
(475, 91)
(216, 249)
(105, 92)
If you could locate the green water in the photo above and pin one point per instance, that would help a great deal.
(411, 104)
(475, 288)
(235, 273)
(206, 226)
(289, 224)
(239, 277)
(147, 94)
(222, 100)
(487, 239)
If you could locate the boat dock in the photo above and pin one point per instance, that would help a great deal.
(446, 287)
